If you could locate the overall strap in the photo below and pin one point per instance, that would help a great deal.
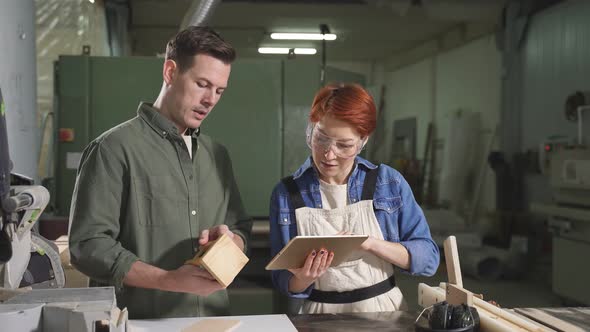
(294, 193)
(370, 184)
(354, 295)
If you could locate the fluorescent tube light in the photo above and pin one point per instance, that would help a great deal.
(303, 36)
(285, 50)
(309, 51)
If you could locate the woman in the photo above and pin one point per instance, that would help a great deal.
(336, 191)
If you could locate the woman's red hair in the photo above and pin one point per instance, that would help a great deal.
(346, 102)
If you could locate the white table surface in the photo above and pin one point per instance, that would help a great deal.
(255, 323)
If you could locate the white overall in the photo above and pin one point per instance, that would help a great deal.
(362, 269)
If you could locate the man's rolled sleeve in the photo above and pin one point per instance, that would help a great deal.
(95, 217)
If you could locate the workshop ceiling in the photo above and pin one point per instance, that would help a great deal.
(367, 30)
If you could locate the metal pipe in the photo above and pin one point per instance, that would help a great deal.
(198, 13)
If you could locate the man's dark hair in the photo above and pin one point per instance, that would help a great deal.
(198, 40)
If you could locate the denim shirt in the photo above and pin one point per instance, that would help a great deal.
(400, 218)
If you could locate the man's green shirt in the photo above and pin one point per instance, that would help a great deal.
(140, 196)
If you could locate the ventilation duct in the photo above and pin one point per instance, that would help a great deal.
(199, 13)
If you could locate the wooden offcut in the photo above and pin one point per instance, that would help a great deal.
(222, 258)
(452, 259)
(213, 325)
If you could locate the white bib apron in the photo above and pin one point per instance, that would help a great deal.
(362, 269)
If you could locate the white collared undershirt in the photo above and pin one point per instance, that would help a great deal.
(333, 195)
(188, 140)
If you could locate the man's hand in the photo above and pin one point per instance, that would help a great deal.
(191, 279)
(316, 264)
(214, 233)
(185, 279)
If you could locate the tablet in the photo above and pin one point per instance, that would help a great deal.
(293, 255)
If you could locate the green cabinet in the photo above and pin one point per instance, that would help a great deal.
(92, 95)
(261, 117)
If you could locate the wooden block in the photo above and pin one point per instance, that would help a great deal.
(457, 295)
(213, 325)
(63, 247)
(452, 260)
(122, 318)
(222, 258)
(74, 278)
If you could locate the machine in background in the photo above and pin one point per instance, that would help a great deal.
(568, 168)
(26, 258)
(31, 273)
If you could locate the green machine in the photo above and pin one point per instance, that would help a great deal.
(261, 118)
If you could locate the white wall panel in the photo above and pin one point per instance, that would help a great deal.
(408, 94)
(18, 83)
(468, 78)
(465, 78)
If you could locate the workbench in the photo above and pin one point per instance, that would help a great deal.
(379, 321)
(353, 322)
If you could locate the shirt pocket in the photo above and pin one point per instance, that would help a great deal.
(287, 223)
(388, 205)
(157, 200)
(285, 218)
(387, 210)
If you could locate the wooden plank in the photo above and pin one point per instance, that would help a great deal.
(549, 320)
(507, 315)
(213, 325)
(428, 295)
(7, 293)
(452, 261)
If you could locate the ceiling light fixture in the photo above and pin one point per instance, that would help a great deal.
(303, 36)
(285, 50)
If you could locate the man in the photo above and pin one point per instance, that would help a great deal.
(151, 190)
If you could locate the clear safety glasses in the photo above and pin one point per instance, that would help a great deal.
(343, 148)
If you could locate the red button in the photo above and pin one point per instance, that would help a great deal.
(66, 134)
